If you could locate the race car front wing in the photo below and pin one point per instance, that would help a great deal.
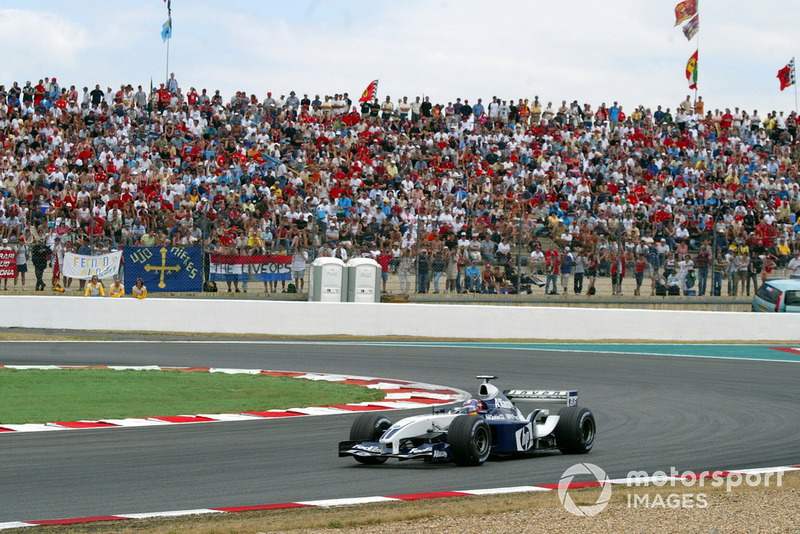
(430, 452)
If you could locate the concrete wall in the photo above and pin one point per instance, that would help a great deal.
(368, 319)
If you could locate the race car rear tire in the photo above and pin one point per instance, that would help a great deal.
(575, 430)
(470, 440)
(369, 427)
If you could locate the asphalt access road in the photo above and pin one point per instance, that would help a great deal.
(653, 412)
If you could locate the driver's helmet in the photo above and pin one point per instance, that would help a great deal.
(472, 406)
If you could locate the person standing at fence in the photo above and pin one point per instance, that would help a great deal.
(730, 273)
(579, 270)
(299, 261)
(40, 254)
(383, 258)
(617, 274)
(552, 263)
(639, 267)
(702, 262)
(451, 271)
(794, 266)
(566, 269)
(438, 267)
(591, 272)
(720, 270)
(423, 272)
(22, 263)
(404, 270)
(84, 249)
(766, 270)
(753, 271)
(742, 264)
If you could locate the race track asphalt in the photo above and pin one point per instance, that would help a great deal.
(653, 412)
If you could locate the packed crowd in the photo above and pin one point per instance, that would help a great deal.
(495, 198)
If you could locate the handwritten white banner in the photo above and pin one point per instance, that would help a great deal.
(84, 267)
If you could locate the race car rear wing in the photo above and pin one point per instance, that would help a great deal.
(568, 398)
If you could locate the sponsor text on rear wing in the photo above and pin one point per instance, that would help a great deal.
(566, 397)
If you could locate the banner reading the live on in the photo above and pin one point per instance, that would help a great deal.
(164, 269)
(263, 268)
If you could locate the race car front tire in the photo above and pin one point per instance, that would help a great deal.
(470, 440)
(369, 427)
(575, 430)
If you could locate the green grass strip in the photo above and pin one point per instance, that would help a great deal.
(41, 396)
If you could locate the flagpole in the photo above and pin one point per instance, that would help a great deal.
(169, 38)
(697, 51)
(166, 70)
(795, 86)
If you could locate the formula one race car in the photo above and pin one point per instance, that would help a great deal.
(467, 435)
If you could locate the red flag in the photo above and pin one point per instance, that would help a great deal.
(786, 75)
(685, 10)
(370, 92)
(691, 71)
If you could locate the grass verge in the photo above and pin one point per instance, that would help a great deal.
(39, 396)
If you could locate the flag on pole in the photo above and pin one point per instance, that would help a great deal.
(56, 269)
(691, 28)
(691, 71)
(685, 11)
(370, 92)
(166, 30)
(786, 75)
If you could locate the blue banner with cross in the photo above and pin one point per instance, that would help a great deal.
(164, 269)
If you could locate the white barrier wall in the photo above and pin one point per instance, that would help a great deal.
(383, 319)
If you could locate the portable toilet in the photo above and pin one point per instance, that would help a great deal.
(326, 281)
(363, 280)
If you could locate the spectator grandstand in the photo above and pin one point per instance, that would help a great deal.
(524, 195)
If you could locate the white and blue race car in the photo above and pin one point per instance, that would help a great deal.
(492, 423)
